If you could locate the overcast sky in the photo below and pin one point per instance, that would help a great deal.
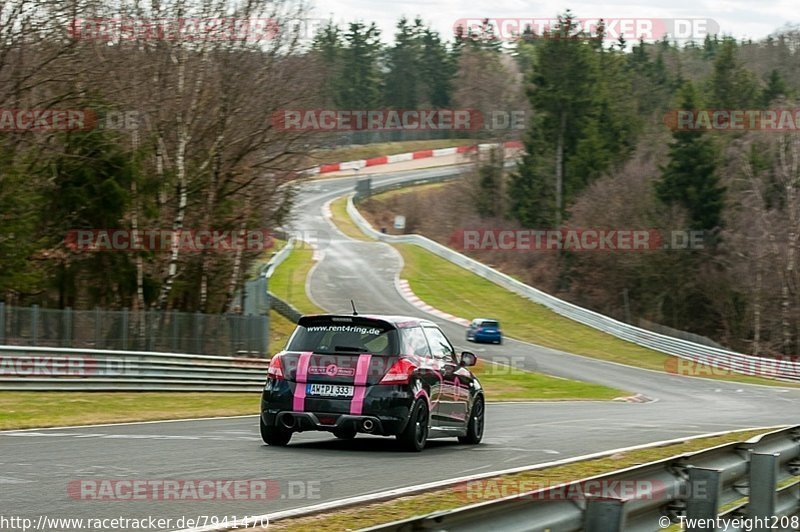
(740, 18)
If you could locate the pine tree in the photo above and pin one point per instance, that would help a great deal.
(775, 88)
(731, 85)
(562, 95)
(361, 86)
(438, 69)
(402, 85)
(531, 194)
(490, 176)
(329, 47)
(689, 179)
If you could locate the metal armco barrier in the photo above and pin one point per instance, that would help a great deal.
(284, 308)
(34, 368)
(747, 480)
(713, 359)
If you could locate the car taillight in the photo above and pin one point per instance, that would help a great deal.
(275, 369)
(399, 373)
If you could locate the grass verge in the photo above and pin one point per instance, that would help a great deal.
(503, 383)
(343, 221)
(280, 328)
(460, 292)
(453, 497)
(289, 280)
(19, 410)
(453, 289)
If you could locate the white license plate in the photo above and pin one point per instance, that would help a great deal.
(329, 390)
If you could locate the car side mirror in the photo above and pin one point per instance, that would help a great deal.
(468, 358)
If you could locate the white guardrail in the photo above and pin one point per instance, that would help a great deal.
(59, 369)
(714, 359)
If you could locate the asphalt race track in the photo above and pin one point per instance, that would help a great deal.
(36, 467)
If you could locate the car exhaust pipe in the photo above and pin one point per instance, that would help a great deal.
(368, 425)
(288, 421)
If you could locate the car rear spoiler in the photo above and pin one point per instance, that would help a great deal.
(312, 319)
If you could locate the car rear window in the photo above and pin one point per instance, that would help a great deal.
(490, 324)
(344, 335)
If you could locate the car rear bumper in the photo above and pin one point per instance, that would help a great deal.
(302, 421)
(386, 407)
(487, 337)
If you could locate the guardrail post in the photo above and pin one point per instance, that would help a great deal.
(67, 324)
(703, 503)
(763, 483)
(2, 322)
(264, 336)
(97, 328)
(124, 329)
(174, 317)
(34, 324)
(198, 344)
(604, 515)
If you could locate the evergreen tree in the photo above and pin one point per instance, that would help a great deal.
(20, 218)
(438, 70)
(775, 88)
(731, 85)
(690, 177)
(361, 85)
(562, 95)
(402, 86)
(531, 194)
(329, 47)
(490, 175)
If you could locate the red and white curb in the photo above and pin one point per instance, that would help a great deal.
(405, 290)
(410, 156)
(638, 398)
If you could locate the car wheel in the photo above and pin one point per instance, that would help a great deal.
(415, 435)
(345, 434)
(275, 434)
(475, 426)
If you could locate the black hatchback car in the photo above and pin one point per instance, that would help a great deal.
(382, 375)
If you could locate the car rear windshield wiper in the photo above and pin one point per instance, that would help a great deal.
(347, 348)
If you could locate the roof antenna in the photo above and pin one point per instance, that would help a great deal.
(355, 312)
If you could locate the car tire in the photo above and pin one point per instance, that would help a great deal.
(475, 426)
(345, 434)
(415, 435)
(275, 434)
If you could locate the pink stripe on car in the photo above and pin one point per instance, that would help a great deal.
(362, 371)
(301, 376)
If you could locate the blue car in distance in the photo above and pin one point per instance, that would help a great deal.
(485, 330)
